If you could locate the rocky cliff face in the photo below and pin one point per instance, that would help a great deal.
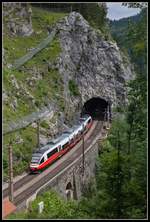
(18, 18)
(95, 64)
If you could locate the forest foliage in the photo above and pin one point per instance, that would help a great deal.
(122, 178)
(94, 13)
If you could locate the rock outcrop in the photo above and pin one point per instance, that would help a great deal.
(18, 17)
(95, 64)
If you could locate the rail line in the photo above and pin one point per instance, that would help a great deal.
(39, 180)
(19, 183)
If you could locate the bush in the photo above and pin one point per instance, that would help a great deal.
(73, 88)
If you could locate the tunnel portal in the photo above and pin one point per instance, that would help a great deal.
(69, 191)
(96, 107)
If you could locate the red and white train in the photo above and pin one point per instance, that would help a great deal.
(57, 147)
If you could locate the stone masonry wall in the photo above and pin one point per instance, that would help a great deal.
(74, 175)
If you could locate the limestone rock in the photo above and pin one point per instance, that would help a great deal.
(34, 125)
(14, 104)
(25, 30)
(18, 18)
(96, 66)
(94, 63)
(19, 140)
(43, 140)
(5, 96)
(14, 82)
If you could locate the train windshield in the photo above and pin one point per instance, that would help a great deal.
(50, 143)
(36, 157)
(65, 132)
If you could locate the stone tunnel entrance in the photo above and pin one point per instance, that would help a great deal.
(98, 108)
(69, 191)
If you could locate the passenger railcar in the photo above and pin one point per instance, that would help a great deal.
(59, 146)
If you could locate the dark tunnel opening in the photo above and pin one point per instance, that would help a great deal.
(97, 108)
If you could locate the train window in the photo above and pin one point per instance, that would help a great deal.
(42, 160)
(51, 153)
(36, 157)
(48, 155)
(89, 120)
(71, 140)
(65, 145)
(82, 131)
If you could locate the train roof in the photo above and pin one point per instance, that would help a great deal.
(51, 142)
(76, 127)
(60, 138)
(41, 150)
(50, 145)
(37, 153)
(68, 131)
(85, 116)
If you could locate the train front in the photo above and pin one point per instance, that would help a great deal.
(35, 161)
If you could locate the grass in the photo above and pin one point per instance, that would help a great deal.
(22, 151)
(17, 46)
(73, 88)
(44, 89)
(44, 124)
(42, 18)
(50, 53)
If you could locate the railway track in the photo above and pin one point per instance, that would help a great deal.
(34, 182)
(19, 183)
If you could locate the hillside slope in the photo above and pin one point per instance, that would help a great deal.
(30, 88)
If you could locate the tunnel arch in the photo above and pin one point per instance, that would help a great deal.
(69, 191)
(96, 107)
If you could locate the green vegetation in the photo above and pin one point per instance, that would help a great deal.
(16, 47)
(44, 124)
(94, 13)
(21, 151)
(43, 91)
(45, 84)
(121, 186)
(122, 166)
(43, 18)
(73, 88)
(49, 54)
(131, 35)
(54, 207)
